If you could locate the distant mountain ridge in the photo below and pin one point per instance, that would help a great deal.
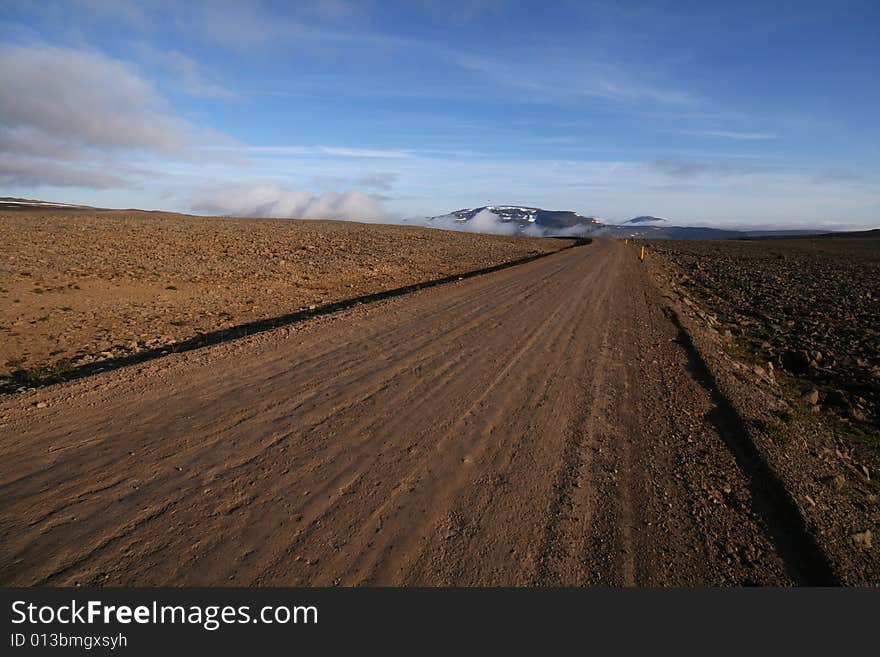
(531, 221)
(524, 215)
(12, 203)
(527, 220)
(643, 220)
(696, 232)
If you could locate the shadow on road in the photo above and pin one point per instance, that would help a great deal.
(804, 559)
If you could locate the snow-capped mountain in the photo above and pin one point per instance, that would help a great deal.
(516, 219)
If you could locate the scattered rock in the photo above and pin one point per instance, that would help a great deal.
(857, 413)
(837, 400)
(862, 539)
(796, 362)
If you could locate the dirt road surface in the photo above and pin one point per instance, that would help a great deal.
(541, 425)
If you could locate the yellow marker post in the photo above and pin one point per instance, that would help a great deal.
(642, 254)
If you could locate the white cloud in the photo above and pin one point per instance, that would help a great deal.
(79, 118)
(83, 98)
(269, 200)
(487, 221)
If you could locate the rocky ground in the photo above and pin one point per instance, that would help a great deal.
(788, 329)
(807, 307)
(77, 287)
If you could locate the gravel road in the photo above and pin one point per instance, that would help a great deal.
(541, 425)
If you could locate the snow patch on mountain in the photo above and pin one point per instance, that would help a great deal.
(517, 220)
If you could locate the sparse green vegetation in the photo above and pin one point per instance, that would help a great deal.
(861, 432)
(775, 430)
(742, 350)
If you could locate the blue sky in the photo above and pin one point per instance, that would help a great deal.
(760, 114)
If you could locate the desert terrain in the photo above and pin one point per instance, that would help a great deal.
(82, 287)
(578, 419)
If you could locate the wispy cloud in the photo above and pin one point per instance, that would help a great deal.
(382, 180)
(842, 175)
(127, 12)
(317, 27)
(330, 151)
(551, 77)
(186, 74)
(683, 169)
(730, 134)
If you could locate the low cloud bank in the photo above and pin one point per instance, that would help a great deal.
(485, 221)
(267, 200)
(270, 200)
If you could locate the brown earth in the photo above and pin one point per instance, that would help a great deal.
(810, 306)
(551, 423)
(79, 287)
(788, 329)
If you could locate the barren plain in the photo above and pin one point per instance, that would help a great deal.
(83, 286)
(808, 306)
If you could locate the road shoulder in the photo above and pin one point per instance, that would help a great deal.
(828, 498)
